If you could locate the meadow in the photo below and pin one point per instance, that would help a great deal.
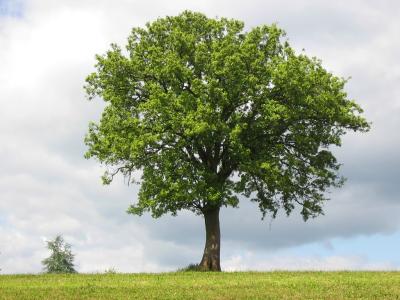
(204, 285)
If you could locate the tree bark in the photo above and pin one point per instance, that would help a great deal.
(211, 256)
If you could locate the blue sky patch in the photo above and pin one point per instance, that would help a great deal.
(11, 8)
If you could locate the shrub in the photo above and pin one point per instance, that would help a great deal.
(192, 268)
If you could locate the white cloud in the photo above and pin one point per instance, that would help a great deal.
(304, 263)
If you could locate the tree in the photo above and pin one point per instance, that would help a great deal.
(208, 112)
(61, 259)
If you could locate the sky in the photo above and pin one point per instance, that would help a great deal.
(47, 49)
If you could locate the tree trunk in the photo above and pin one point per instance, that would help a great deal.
(211, 256)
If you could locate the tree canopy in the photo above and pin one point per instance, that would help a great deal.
(208, 111)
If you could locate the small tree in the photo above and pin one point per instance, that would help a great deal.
(61, 258)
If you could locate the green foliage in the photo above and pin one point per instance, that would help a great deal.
(204, 285)
(192, 268)
(61, 258)
(111, 270)
(208, 111)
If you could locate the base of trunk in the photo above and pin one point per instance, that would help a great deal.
(210, 263)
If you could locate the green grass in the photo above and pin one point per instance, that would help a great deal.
(204, 285)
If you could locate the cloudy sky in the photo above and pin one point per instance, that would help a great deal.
(47, 188)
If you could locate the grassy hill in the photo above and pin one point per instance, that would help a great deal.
(199, 285)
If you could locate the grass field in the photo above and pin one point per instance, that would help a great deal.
(198, 285)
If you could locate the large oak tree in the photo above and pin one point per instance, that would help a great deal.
(207, 112)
